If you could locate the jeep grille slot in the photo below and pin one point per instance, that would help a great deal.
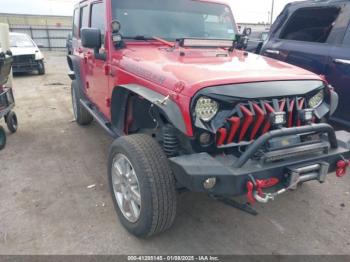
(251, 119)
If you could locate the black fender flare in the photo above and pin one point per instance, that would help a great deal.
(168, 107)
(74, 67)
(334, 101)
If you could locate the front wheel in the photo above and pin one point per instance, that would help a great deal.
(41, 67)
(2, 138)
(11, 121)
(142, 185)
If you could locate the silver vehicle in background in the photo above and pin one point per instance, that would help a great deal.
(27, 56)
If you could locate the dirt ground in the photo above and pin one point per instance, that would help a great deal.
(46, 207)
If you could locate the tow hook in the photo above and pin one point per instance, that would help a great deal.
(342, 166)
(255, 190)
(297, 175)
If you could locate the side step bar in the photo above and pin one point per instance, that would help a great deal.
(99, 118)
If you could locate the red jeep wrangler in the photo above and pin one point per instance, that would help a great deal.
(191, 111)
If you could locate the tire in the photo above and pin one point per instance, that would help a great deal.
(11, 121)
(155, 180)
(41, 67)
(2, 138)
(81, 115)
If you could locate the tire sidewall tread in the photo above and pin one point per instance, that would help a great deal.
(3, 135)
(83, 117)
(41, 68)
(156, 181)
(11, 118)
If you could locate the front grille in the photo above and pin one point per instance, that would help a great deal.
(23, 59)
(251, 119)
(24, 63)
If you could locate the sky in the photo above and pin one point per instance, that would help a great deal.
(245, 11)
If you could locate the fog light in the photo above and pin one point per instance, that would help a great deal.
(209, 183)
(278, 118)
(117, 38)
(115, 26)
(205, 139)
(306, 115)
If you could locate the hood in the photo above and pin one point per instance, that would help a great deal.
(23, 50)
(194, 69)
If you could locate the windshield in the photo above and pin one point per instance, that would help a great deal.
(21, 41)
(173, 20)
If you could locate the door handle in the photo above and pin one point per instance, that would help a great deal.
(342, 61)
(272, 51)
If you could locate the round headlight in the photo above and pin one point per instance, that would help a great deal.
(206, 108)
(316, 100)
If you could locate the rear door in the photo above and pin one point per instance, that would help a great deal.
(339, 77)
(303, 39)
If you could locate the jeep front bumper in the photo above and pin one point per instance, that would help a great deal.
(232, 174)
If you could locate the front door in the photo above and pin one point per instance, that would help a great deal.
(339, 77)
(97, 76)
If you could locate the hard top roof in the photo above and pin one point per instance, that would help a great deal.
(226, 2)
(316, 3)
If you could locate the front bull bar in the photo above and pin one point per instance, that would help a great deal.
(261, 141)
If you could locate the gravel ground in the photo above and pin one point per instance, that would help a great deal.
(46, 207)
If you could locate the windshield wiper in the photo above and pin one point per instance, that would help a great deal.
(147, 38)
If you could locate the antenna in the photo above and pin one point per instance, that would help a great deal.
(272, 9)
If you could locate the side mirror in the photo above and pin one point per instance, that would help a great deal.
(91, 38)
(117, 38)
(241, 41)
(247, 31)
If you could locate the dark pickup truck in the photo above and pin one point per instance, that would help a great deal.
(315, 35)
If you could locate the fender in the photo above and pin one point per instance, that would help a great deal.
(74, 67)
(75, 73)
(71, 72)
(168, 107)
